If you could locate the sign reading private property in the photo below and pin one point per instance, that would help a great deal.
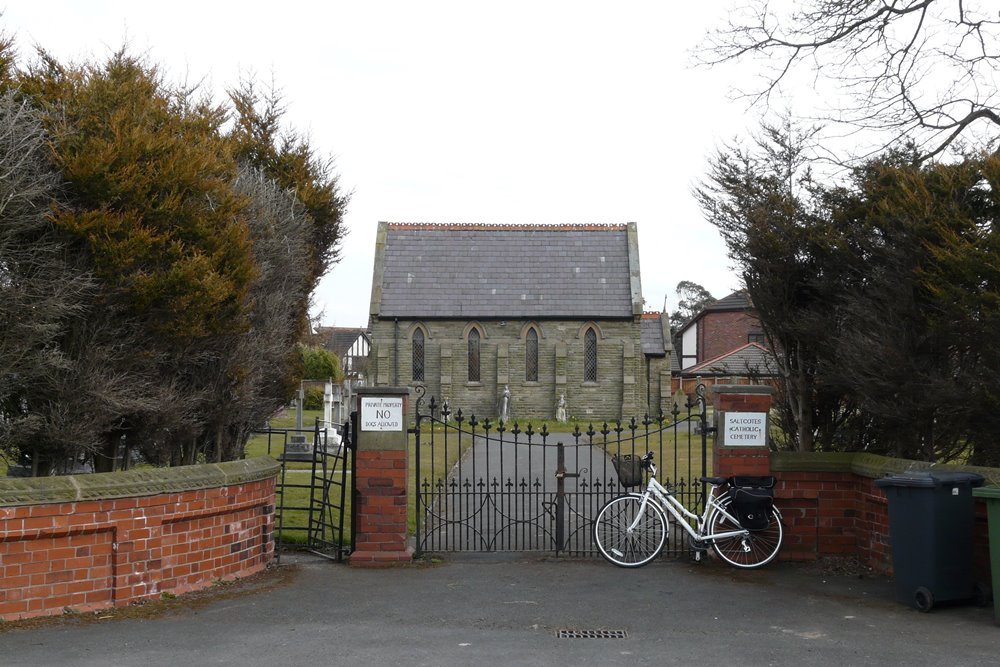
(380, 413)
(745, 429)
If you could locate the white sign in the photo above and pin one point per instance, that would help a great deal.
(381, 413)
(745, 429)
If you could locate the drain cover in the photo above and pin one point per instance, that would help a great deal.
(593, 634)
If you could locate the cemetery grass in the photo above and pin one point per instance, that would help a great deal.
(296, 496)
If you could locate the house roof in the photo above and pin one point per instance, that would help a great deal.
(752, 357)
(736, 301)
(339, 339)
(651, 332)
(504, 271)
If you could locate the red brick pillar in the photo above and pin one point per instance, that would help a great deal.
(742, 422)
(381, 474)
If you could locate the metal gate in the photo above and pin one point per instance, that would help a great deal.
(314, 489)
(490, 486)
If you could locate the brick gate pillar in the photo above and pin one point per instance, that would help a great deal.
(741, 420)
(381, 474)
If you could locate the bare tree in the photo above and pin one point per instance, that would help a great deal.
(925, 70)
(39, 287)
(258, 371)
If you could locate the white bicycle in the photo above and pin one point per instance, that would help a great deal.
(630, 530)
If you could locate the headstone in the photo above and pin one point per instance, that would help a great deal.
(298, 447)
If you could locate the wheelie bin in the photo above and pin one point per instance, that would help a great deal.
(991, 494)
(931, 519)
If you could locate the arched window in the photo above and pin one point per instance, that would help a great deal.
(590, 356)
(531, 356)
(473, 355)
(418, 355)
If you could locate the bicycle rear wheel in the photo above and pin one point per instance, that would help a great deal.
(632, 548)
(756, 548)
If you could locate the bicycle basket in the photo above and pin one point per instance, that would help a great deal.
(629, 470)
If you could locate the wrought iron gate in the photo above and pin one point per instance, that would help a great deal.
(493, 486)
(314, 489)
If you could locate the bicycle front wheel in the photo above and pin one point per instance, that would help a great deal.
(635, 547)
(756, 548)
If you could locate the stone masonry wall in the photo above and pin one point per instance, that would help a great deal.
(620, 389)
(94, 541)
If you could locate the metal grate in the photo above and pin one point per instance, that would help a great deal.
(593, 634)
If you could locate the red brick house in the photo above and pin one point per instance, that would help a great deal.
(724, 343)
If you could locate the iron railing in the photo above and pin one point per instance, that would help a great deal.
(485, 485)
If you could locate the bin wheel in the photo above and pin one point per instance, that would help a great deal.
(924, 599)
(984, 594)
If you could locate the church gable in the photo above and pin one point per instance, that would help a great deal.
(540, 315)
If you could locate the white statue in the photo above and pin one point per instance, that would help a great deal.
(561, 409)
(505, 404)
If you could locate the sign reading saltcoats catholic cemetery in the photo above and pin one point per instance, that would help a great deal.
(380, 413)
(745, 429)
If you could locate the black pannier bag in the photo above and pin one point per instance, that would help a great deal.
(753, 499)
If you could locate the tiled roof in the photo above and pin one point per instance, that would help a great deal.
(652, 335)
(485, 271)
(752, 357)
(735, 301)
(339, 339)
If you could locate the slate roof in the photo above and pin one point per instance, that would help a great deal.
(652, 335)
(505, 271)
(751, 356)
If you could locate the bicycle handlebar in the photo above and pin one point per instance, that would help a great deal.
(647, 460)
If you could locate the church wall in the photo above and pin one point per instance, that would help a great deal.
(620, 389)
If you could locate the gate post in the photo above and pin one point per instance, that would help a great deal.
(380, 478)
(741, 422)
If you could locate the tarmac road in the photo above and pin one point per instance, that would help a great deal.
(508, 610)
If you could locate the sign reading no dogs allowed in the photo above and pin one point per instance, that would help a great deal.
(381, 413)
(745, 429)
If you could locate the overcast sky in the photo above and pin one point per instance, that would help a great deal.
(499, 112)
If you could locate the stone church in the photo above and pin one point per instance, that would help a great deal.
(549, 314)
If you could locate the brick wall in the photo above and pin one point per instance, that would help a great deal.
(828, 500)
(722, 332)
(96, 541)
(381, 535)
(832, 507)
(620, 389)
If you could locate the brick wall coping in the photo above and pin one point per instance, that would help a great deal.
(866, 465)
(138, 482)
